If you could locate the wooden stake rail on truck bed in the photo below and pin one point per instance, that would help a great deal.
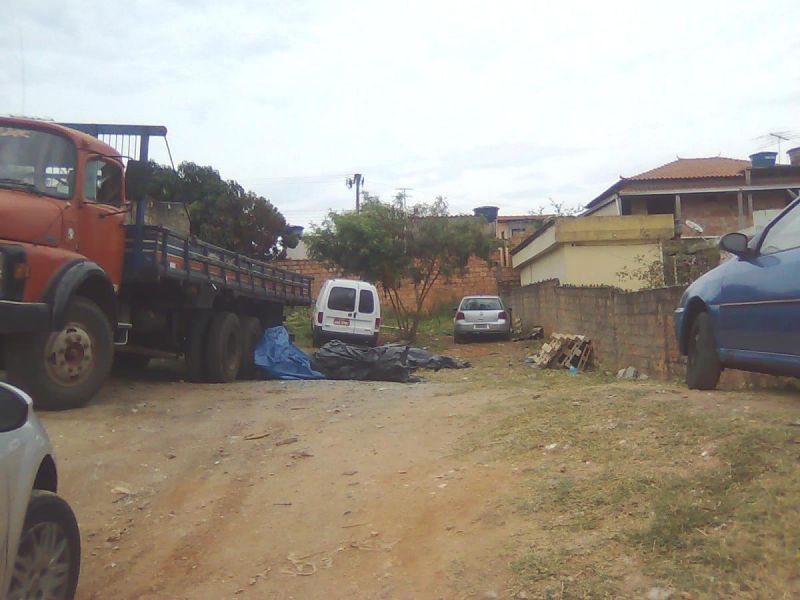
(162, 253)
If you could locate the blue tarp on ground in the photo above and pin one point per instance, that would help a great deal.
(276, 354)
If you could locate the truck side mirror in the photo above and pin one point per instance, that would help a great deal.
(137, 174)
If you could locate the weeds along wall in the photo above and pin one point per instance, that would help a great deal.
(479, 278)
(626, 328)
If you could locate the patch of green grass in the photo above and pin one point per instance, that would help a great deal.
(730, 528)
(660, 490)
(298, 322)
(560, 575)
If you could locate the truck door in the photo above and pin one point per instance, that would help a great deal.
(364, 322)
(102, 235)
(339, 311)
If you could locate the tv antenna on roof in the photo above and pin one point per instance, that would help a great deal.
(776, 137)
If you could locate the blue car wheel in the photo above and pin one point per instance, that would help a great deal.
(703, 367)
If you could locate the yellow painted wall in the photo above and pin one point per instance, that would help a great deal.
(599, 264)
(628, 228)
(545, 240)
(609, 210)
(552, 265)
(591, 264)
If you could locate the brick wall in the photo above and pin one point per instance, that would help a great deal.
(480, 278)
(718, 213)
(626, 328)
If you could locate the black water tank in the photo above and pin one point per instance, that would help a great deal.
(487, 212)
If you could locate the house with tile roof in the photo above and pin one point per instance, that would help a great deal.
(707, 197)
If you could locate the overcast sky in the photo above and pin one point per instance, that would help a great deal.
(500, 103)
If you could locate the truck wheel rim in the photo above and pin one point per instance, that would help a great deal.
(42, 567)
(69, 354)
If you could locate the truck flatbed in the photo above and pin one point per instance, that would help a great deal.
(160, 253)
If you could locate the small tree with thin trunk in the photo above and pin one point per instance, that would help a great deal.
(396, 247)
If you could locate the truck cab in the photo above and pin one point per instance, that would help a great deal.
(62, 211)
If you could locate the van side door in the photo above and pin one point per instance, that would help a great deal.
(364, 322)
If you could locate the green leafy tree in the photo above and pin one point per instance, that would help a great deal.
(394, 247)
(223, 212)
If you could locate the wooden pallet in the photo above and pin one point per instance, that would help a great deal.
(565, 351)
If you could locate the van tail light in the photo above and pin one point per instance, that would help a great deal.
(319, 318)
(502, 316)
(378, 323)
(460, 316)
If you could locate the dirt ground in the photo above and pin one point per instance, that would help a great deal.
(315, 490)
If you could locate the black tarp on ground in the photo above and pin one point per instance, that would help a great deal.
(394, 362)
(419, 358)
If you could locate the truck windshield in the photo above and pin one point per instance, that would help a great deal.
(37, 161)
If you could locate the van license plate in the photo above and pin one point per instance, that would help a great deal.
(345, 322)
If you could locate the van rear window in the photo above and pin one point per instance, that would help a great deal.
(366, 302)
(342, 298)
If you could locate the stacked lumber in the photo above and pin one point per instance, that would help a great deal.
(563, 350)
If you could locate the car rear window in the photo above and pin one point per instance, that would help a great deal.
(342, 298)
(481, 304)
(366, 301)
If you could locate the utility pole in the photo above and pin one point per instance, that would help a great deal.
(356, 180)
(403, 195)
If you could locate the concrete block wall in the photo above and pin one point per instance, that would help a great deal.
(626, 328)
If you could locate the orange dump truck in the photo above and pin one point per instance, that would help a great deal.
(81, 286)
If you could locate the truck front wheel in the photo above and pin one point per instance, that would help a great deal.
(224, 351)
(64, 369)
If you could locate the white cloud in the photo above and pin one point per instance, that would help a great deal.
(504, 103)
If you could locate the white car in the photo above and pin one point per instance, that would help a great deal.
(40, 546)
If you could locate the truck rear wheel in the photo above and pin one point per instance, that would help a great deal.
(64, 369)
(224, 350)
(252, 330)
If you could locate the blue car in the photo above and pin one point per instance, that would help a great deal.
(745, 314)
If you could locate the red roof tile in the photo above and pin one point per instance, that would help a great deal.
(694, 168)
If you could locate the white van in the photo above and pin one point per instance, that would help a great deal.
(347, 310)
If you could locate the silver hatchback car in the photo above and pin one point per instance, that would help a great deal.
(481, 316)
(40, 545)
